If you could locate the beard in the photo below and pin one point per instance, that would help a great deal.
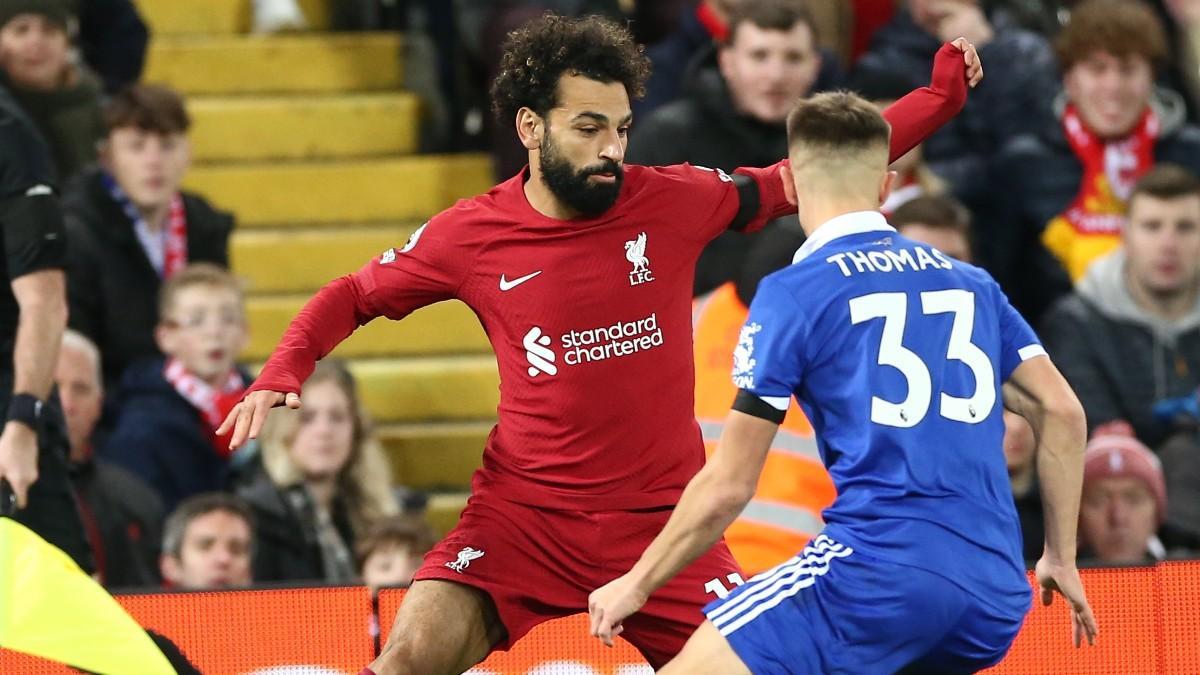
(573, 187)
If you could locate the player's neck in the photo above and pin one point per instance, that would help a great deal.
(543, 200)
(815, 212)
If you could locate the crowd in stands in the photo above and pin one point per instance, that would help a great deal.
(1071, 176)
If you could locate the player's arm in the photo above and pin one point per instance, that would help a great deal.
(765, 194)
(35, 246)
(711, 501)
(1040, 394)
(430, 268)
(322, 324)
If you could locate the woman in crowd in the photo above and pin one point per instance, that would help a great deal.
(324, 481)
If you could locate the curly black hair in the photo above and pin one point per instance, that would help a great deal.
(537, 54)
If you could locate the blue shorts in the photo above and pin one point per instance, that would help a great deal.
(833, 610)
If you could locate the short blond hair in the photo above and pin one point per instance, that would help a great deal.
(836, 122)
(197, 274)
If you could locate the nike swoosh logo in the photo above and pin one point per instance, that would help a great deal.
(506, 285)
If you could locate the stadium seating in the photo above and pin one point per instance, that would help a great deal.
(310, 139)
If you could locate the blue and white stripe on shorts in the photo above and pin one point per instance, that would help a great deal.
(769, 589)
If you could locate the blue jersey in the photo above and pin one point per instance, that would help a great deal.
(897, 353)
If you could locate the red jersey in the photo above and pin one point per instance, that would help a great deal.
(590, 319)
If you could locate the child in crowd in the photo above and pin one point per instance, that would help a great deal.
(169, 408)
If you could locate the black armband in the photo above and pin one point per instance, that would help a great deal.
(34, 233)
(752, 405)
(749, 201)
(26, 409)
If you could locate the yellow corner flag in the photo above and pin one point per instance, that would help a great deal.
(51, 609)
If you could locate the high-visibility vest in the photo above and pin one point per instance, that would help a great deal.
(794, 487)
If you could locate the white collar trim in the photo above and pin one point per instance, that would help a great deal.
(858, 222)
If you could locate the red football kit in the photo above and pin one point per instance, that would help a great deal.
(590, 320)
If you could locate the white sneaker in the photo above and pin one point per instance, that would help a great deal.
(274, 16)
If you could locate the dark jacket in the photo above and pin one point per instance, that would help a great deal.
(126, 517)
(1119, 359)
(704, 129)
(1021, 76)
(1035, 178)
(162, 439)
(112, 287)
(286, 547)
(70, 120)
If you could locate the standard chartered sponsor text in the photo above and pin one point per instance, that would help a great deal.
(605, 342)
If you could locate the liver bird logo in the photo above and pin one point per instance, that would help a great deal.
(635, 252)
(465, 557)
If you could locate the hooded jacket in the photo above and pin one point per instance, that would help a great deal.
(69, 118)
(1119, 359)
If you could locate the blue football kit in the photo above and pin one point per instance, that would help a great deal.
(897, 354)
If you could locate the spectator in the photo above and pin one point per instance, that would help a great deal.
(130, 227)
(1139, 309)
(207, 543)
(113, 39)
(391, 552)
(735, 116)
(914, 178)
(325, 482)
(1020, 79)
(123, 517)
(940, 222)
(61, 98)
(169, 409)
(1111, 126)
(1124, 502)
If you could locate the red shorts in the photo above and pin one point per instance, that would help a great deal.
(539, 564)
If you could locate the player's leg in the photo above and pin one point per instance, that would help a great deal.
(442, 628)
(705, 653)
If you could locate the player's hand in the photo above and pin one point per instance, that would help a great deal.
(247, 418)
(610, 604)
(18, 460)
(1066, 582)
(971, 60)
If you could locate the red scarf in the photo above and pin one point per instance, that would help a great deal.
(1091, 225)
(712, 23)
(175, 249)
(213, 405)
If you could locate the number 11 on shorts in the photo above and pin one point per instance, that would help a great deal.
(719, 589)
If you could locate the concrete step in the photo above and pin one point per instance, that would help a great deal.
(443, 329)
(235, 128)
(451, 389)
(302, 261)
(189, 17)
(392, 190)
(435, 456)
(444, 509)
(295, 63)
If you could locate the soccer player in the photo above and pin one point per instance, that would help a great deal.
(897, 354)
(580, 269)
